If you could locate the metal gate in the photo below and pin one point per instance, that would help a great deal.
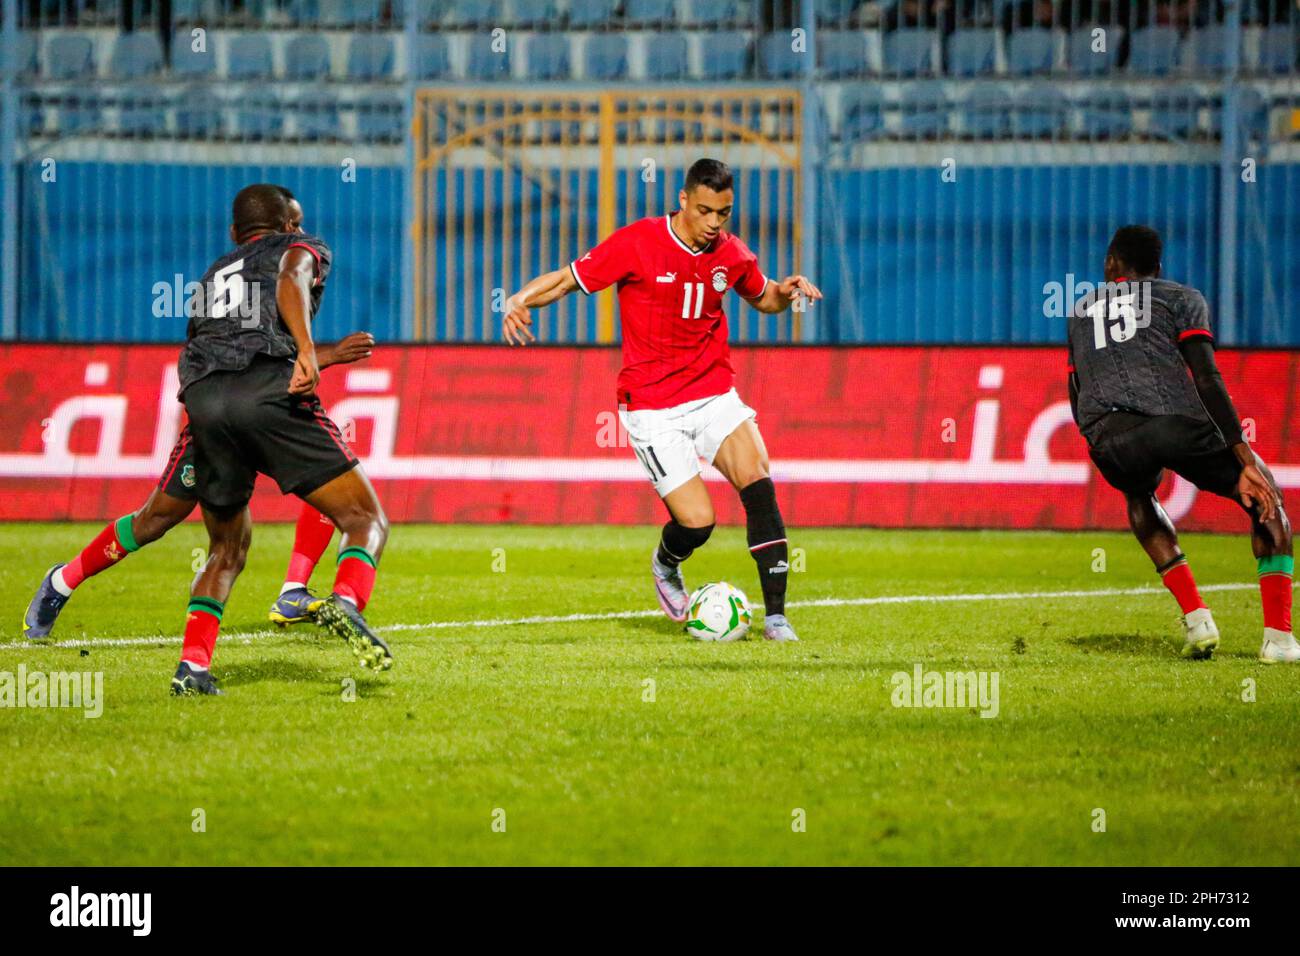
(509, 184)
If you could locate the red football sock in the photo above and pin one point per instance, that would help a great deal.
(110, 546)
(1275, 590)
(356, 576)
(201, 628)
(310, 539)
(1182, 585)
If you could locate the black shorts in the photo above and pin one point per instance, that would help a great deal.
(179, 478)
(1133, 455)
(245, 423)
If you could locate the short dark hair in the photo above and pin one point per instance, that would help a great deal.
(261, 207)
(713, 173)
(1138, 247)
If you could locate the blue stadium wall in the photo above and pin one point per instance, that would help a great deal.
(901, 258)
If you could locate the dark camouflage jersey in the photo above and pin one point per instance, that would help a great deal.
(1124, 348)
(236, 318)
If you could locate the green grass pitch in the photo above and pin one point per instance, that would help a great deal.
(547, 726)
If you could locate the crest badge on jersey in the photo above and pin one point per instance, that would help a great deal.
(719, 279)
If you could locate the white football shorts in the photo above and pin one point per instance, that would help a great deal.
(670, 442)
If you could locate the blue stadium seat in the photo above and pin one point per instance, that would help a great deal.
(724, 13)
(141, 112)
(1030, 52)
(592, 13)
(1206, 49)
(432, 61)
(1175, 113)
(69, 57)
(842, 54)
(835, 12)
(924, 112)
(649, 13)
(307, 57)
(862, 112)
(429, 12)
(304, 12)
(18, 55)
(1041, 114)
(80, 113)
(535, 13)
(548, 57)
(260, 117)
(910, 52)
(1153, 50)
(135, 55)
(32, 121)
(199, 114)
(1107, 113)
(986, 113)
(1084, 61)
(473, 13)
(484, 62)
(370, 57)
(195, 11)
(725, 57)
(605, 57)
(379, 119)
(776, 59)
(350, 13)
(666, 57)
(1277, 49)
(1253, 112)
(249, 57)
(186, 62)
(972, 52)
(317, 119)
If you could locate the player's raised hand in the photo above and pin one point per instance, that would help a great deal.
(517, 322)
(792, 286)
(354, 348)
(306, 374)
(1255, 489)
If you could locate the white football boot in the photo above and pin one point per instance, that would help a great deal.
(670, 589)
(777, 628)
(1280, 647)
(1202, 636)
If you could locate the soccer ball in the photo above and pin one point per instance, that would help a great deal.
(718, 612)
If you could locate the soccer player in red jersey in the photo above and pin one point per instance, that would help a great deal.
(676, 396)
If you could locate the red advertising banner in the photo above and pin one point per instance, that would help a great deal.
(879, 436)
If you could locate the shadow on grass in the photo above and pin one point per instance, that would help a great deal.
(290, 671)
(1149, 645)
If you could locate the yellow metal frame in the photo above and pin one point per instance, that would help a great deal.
(608, 109)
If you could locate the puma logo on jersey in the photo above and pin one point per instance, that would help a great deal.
(671, 277)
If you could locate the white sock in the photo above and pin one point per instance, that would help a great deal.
(194, 667)
(292, 586)
(344, 597)
(60, 585)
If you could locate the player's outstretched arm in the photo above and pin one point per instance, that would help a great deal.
(779, 296)
(541, 291)
(349, 349)
(293, 299)
(1253, 487)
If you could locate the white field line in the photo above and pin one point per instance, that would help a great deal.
(625, 615)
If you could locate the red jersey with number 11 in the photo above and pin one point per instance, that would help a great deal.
(670, 303)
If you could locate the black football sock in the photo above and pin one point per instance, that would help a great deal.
(766, 534)
(678, 541)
